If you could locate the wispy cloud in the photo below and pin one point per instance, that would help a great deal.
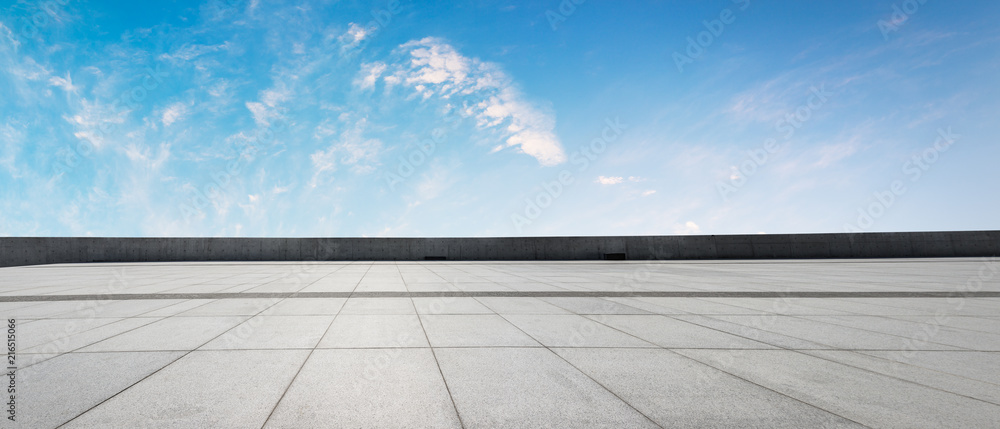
(369, 75)
(352, 149)
(64, 83)
(189, 52)
(688, 228)
(434, 68)
(93, 120)
(615, 180)
(174, 113)
(353, 37)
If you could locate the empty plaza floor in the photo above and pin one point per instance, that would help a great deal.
(796, 343)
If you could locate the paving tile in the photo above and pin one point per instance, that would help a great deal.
(593, 306)
(570, 330)
(450, 305)
(384, 388)
(178, 308)
(970, 323)
(453, 330)
(696, 306)
(671, 333)
(859, 395)
(49, 310)
(55, 391)
(981, 366)
(37, 332)
(206, 288)
(378, 306)
(929, 329)
(523, 286)
(332, 285)
(753, 328)
(367, 285)
(931, 306)
(217, 389)
(824, 305)
(68, 341)
(528, 388)
(128, 308)
(949, 382)
(374, 330)
(509, 305)
(306, 307)
(276, 286)
(482, 287)
(431, 287)
(174, 333)
(232, 307)
(678, 392)
(787, 305)
(835, 336)
(273, 332)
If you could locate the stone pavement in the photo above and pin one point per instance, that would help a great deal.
(798, 343)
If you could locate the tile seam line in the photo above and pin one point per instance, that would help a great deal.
(447, 388)
(164, 366)
(314, 347)
(606, 388)
(155, 320)
(808, 317)
(805, 352)
(674, 351)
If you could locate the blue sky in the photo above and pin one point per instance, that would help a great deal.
(496, 118)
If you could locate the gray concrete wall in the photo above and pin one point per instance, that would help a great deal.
(38, 250)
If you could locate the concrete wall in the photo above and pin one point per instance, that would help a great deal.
(33, 251)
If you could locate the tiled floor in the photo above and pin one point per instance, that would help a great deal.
(507, 344)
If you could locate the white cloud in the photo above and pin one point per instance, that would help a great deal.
(648, 193)
(369, 75)
(13, 140)
(260, 113)
(189, 52)
(29, 69)
(615, 180)
(323, 161)
(274, 96)
(688, 228)
(435, 68)
(143, 155)
(65, 83)
(93, 119)
(9, 35)
(612, 180)
(832, 153)
(352, 150)
(267, 108)
(353, 37)
(174, 113)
